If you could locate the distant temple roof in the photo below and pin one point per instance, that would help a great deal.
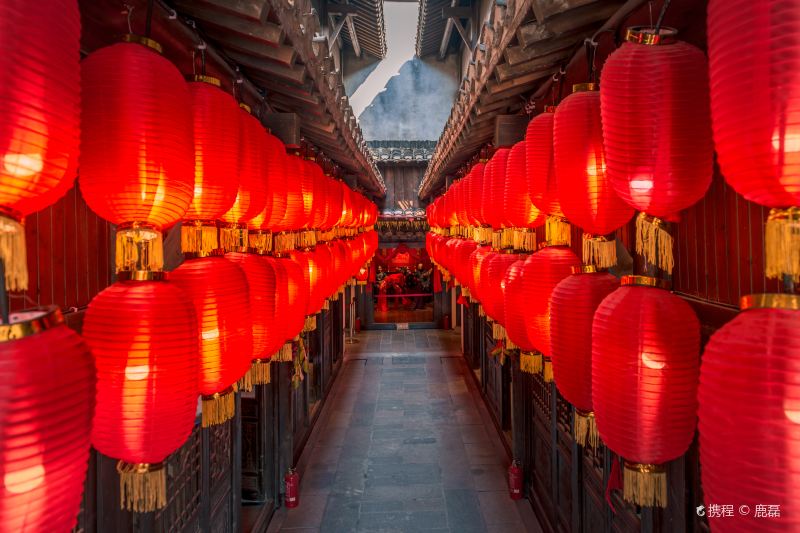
(401, 151)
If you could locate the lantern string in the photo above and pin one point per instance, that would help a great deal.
(129, 13)
(661, 16)
(591, 53)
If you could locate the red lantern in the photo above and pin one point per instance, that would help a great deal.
(292, 301)
(753, 45)
(310, 269)
(216, 152)
(260, 227)
(137, 153)
(262, 283)
(539, 164)
(494, 302)
(749, 409)
(252, 195)
(515, 307)
(542, 272)
(44, 450)
(219, 292)
(586, 196)
(520, 212)
(494, 188)
(645, 367)
(476, 260)
(572, 306)
(652, 81)
(475, 198)
(144, 339)
(40, 128)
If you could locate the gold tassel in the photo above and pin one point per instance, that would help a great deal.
(557, 231)
(197, 237)
(507, 238)
(284, 242)
(261, 241)
(510, 344)
(497, 240)
(584, 428)
(306, 239)
(782, 241)
(13, 253)
(481, 312)
(525, 240)
(653, 242)
(284, 355)
(547, 370)
(645, 485)
(218, 408)
(261, 372)
(310, 323)
(599, 251)
(498, 331)
(245, 382)
(234, 238)
(530, 362)
(465, 291)
(139, 247)
(142, 486)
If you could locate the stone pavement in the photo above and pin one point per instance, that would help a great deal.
(405, 443)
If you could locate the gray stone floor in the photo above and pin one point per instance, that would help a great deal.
(405, 444)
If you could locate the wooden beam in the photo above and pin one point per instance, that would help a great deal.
(351, 30)
(448, 31)
(253, 27)
(263, 66)
(342, 9)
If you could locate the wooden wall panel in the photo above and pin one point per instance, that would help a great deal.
(402, 184)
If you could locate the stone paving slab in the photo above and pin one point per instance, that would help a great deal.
(404, 446)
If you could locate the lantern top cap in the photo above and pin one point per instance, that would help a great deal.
(211, 80)
(141, 275)
(246, 108)
(26, 323)
(644, 281)
(585, 269)
(549, 109)
(550, 244)
(584, 87)
(647, 35)
(789, 302)
(144, 41)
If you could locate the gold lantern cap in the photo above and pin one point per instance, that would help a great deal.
(647, 35)
(30, 322)
(790, 302)
(585, 269)
(584, 87)
(202, 78)
(645, 281)
(147, 42)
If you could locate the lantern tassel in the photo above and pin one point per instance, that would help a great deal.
(481, 312)
(507, 238)
(465, 291)
(142, 487)
(218, 408)
(524, 240)
(782, 242)
(557, 230)
(547, 370)
(645, 485)
(284, 242)
(260, 372)
(198, 238)
(13, 254)
(599, 251)
(284, 355)
(654, 243)
(584, 428)
(310, 324)
(498, 331)
(245, 382)
(233, 238)
(530, 362)
(510, 344)
(261, 241)
(139, 248)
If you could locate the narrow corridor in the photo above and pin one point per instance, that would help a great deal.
(405, 444)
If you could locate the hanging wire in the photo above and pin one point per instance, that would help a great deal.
(591, 53)
(129, 13)
(661, 16)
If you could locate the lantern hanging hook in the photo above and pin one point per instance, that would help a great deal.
(129, 13)
(661, 16)
(591, 54)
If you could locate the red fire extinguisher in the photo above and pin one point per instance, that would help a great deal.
(292, 480)
(515, 480)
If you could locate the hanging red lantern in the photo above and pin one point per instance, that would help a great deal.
(262, 284)
(572, 306)
(216, 152)
(657, 170)
(292, 301)
(261, 227)
(251, 197)
(542, 272)
(309, 265)
(40, 126)
(144, 339)
(749, 409)
(494, 189)
(541, 175)
(645, 367)
(520, 213)
(586, 196)
(494, 303)
(44, 451)
(137, 153)
(475, 202)
(476, 260)
(753, 45)
(515, 307)
(218, 290)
